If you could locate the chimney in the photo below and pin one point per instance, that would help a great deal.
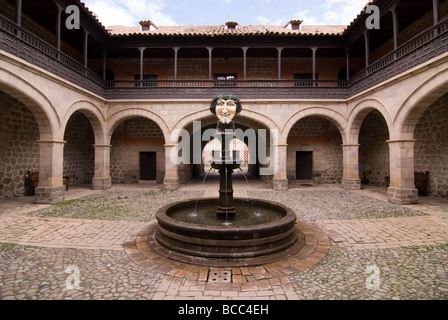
(147, 25)
(294, 25)
(231, 25)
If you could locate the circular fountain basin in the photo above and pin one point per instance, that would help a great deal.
(262, 232)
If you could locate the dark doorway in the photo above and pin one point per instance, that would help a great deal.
(148, 166)
(304, 165)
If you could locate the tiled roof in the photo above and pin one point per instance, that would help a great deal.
(192, 30)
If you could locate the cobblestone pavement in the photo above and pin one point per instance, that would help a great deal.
(403, 256)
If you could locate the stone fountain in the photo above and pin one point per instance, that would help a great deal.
(226, 231)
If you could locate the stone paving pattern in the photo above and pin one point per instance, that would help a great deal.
(410, 253)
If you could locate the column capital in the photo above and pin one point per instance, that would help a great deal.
(350, 145)
(49, 142)
(102, 146)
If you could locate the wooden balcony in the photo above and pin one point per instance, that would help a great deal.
(19, 42)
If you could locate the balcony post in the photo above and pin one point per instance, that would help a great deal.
(210, 51)
(19, 12)
(367, 47)
(393, 10)
(58, 26)
(279, 49)
(86, 48)
(314, 49)
(436, 7)
(347, 52)
(176, 50)
(142, 51)
(245, 61)
(104, 62)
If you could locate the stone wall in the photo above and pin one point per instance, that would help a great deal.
(322, 138)
(431, 147)
(19, 150)
(374, 154)
(129, 139)
(79, 153)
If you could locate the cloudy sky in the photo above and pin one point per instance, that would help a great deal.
(217, 12)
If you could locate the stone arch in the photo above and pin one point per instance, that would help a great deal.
(359, 113)
(92, 113)
(417, 102)
(114, 120)
(336, 118)
(247, 115)
(39, 105)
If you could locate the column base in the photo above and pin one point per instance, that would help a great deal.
(171, 184)
(280, 184)
(101, 184)
(49, 195)
(402, 196)
(351, 184)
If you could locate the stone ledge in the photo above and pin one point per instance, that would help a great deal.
(49, 195)
(349, 184)
(402, 196)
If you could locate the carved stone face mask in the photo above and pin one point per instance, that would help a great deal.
(225, 110)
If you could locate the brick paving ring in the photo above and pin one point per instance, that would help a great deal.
(143, 250)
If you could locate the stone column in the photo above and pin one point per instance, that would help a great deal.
(280, 179)
(51, 164)
(171, 180)
(101, 179)
(350, 178)
(402, 186)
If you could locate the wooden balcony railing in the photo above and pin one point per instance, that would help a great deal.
(422, 48)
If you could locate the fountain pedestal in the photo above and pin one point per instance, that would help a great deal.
(225, 166)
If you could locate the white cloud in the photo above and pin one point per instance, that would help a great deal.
(333, 12)
(265, 21)
(130, 12)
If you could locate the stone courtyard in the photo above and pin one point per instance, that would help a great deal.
(359, 246)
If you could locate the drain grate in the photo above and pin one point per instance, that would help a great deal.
(219, 276)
